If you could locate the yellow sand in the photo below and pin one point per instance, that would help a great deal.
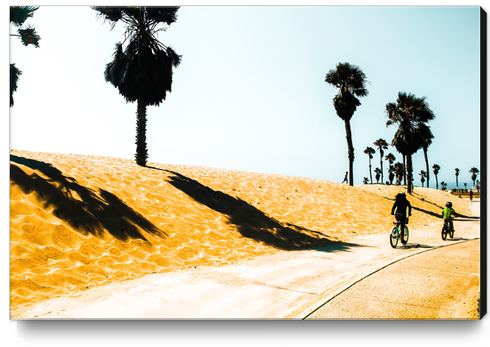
(82, 221)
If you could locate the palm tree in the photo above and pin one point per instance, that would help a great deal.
(366, 181)
(143, 71)
(350, 81)
(426, 137)
(457, 174)
(408, 113)
(436, 172)
(443, 185)
(474, 172)
(381, 144)
(399, 172)
(370, 151)
(422, 177)
(377, 171)
(391, 159)
(28, 36)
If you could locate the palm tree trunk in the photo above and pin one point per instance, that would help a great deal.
(409, 173)
(370, 171)
(141, 150)
(381, 165)
(437, 183)
(350, 148)
(404, 170)
(426, 165)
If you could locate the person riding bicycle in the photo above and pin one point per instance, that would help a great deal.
(399, 209)
(447, 213)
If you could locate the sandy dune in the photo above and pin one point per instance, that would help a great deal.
(77, 222)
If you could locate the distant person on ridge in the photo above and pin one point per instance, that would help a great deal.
(345, 178)
(399, 209)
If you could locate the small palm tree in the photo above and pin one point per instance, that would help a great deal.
(422, 177)
(28, 36)
(391, 173)
(381, 144)
(457, 174)
(408, 113)
(436, 172)
(399, 172)
(351, 82)
(143, 71)
(366, 181)
(443, 185)
(370, 151)
(426, 137)
(474, 171)
(377, 171)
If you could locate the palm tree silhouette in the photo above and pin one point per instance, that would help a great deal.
(457, 174)
(381, 144)
(350, 81)
(426, 137)
(408, 113)
(370, 151)
(474, 171)
(28, 36)
(436, 172)
(143, 71)
(377, 171)
(399, 172)
(422, 177)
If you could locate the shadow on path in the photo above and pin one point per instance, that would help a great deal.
(253, 223)
(90, 213)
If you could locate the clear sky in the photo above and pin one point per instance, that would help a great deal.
(250, 93)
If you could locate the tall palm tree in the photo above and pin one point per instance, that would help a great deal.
(143, 71)
(28, 36)
(351, 82)
(457, 174)
(436, 172)
(377, 171)
(422, 177)
(370, 151)
(408, 113)
(399, 172)
(426, 137)
(381, 144)
(474, 171)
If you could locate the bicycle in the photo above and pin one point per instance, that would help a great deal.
(447, 230)
(395, 235)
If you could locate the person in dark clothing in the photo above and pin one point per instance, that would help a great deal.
(399, 209)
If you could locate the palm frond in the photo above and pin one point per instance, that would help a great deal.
(166, 15)
(14, 78)
(19, 14)
(29, 36)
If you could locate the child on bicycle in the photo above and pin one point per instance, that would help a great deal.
(447, 214)
(399, 209)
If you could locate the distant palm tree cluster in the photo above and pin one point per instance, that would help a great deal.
(409, 114)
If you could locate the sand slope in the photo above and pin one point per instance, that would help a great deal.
(82, 221)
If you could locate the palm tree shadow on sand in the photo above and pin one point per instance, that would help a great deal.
(93, 213)
(253, 223)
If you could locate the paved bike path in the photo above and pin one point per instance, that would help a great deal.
(442, 283)
(287, 285)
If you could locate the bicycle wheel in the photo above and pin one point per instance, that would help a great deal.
(394, 237)
(405, 235)
(451, 232)
(444, 232)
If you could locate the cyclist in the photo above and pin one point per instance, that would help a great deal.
(447, 213)
(399, 209)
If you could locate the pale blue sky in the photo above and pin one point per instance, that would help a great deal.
(250, 93)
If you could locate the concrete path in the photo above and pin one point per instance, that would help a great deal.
(286, 285)
(443, 283)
